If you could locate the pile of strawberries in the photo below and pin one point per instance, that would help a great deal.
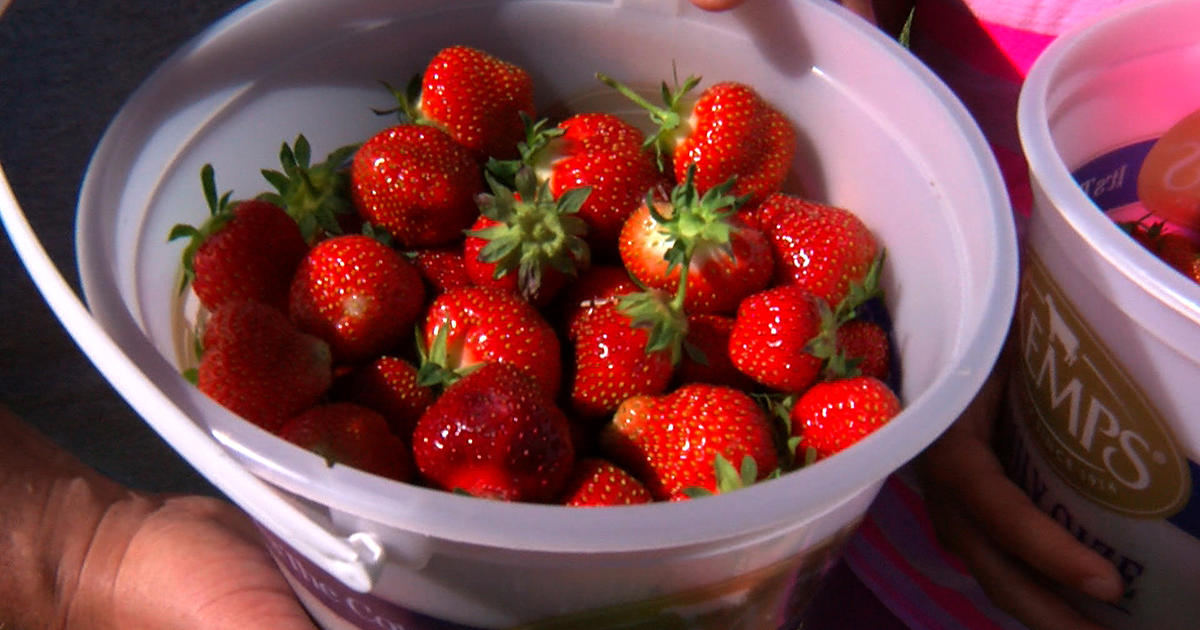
(1174, 247)
(576, 312)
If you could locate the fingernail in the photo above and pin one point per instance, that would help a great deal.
(1103, 588)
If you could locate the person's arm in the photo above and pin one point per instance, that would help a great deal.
(81, 552)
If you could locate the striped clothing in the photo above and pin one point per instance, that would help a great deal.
(982, 49)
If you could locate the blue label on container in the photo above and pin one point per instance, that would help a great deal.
(1188, 519)
(1111, 179)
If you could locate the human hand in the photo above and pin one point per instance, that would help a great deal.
(82, 552)
(181, 563)
(1016, 552)
(717, 5)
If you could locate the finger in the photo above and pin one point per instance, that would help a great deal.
(864, 8)
(1008, 583)
(203, 508)
(717, 5)
(968, 470)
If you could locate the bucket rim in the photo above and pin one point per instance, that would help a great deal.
(1051, 173)
(749, 511)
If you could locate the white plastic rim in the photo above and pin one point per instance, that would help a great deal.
(1089, 46)
(119, 173)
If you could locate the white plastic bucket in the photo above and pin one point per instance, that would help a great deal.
(1107, 392)
(879, 134)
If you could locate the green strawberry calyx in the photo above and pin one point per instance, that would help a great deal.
(408, 102)
(698, 225)
(668, 118)
(434, 366)
(312, 194)
(663, 318)
(536, 152)
(220, 212)
(729, 477)
(823, 345)
(533, 231)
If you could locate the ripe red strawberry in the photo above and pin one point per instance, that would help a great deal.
(819, 247)
(442, 267)
(358, 294)
(599, 482)
(243, 251)
(417, 183)
(866, 346)
(260, 366)
(351, 435)
(1181, 253)
(596, 287)
(728, 131)
(481, 325)
(725, 259)
(495, 434)
(613, 360)
(672, 442)
(475, 97)
(707, 359)
(833, 415)
(389, 386)
(604, 154)
(527, 242)
(781, 337)
(1174, 248)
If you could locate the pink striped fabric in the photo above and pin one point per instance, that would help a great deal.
(896, 555)
(982, 50)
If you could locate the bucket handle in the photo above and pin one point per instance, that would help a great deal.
(355, 560)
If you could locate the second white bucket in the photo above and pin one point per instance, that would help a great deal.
(1107, 387)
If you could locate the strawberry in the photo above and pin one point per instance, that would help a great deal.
(351, 435)
(781, 337)
(674, 442)
(599, 152)
(495, 434)
(819, 247)
(727, 132)
(243, 251)
(725, 259)
(596, 287)
(389, 386)
(707, 359)
(259, 365)
(833, 415)
(867, 348)
(599, 482)
(416, 183)
(1182, 254)
(478, 99)
(358, 294)
(527, 242)
(1146, 231)
(442, 268)
(613, 360)
(468, 327)
(1174, 248)
(316, 196)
